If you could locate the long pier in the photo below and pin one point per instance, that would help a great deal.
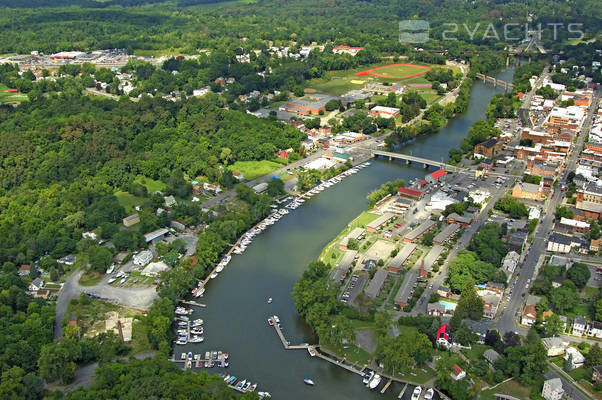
(413, 159)
(495, 81)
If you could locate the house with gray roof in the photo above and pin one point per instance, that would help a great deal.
(377, 283)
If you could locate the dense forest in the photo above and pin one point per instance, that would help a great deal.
(189, 25)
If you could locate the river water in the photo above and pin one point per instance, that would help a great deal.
(237, 309)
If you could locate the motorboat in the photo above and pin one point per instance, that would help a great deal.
(226, 378)
(196, 339)
(270, 300)
(246, 386)
(189, 355)
(429, 394)
(416, 393)
(111, 269)
(111, 280)
(214, 275)
(240, 384)
(367, 377)
(270, 321)
(181, 341)
(226, 356)
(264, 395)
(253, 387)
(219, 268)
(183, 357)
(308, 381)
(196, 322)
(374, 382)
(311, 351)
(276, 319)
(231, 380)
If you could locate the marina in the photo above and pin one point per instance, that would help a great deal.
(236, 301)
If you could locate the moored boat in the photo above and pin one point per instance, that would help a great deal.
(311, 351)
(308, 381)
(429, 394)
(416, 393)
(374, 382)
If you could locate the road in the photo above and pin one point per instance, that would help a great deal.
(70, 290)
(507, 321)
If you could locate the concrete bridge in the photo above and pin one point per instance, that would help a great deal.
(496, 82)
(412, 159)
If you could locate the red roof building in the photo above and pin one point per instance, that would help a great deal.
(409, 192)
(443, 335)
(436, 176)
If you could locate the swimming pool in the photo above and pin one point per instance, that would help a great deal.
(448, 305)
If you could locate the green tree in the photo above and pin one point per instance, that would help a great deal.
(100, 258)
(553, 325)
(579, 274)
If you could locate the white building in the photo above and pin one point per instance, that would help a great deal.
(574, 357)
(510, 262)
(143, 258)
(579, 326)
(552, 389)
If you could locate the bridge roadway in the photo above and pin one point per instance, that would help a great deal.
(438, 164)
(495, 81)
(410, 159)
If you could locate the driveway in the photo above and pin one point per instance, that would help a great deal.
(140, 297)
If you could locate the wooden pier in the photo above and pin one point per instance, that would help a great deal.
(193, 303)
(386, 386)
(402, 391)
(285, 342)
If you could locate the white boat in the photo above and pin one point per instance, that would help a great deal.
(367, 377)
(226, 378)
(181, 341)
(196, 339)
(253, 387)
(263, 395)
(111, 280)
(429, 394)
(374, 382)
(311, 351)
(111, 269)
(276, 319)
(246, 386)
(417, 392)
(308, 381)
(219, 268)
(197, 321)
(270, 300)
(213, 275)
(122, 281)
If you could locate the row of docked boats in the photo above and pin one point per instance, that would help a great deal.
(241, 385)
(189, 331)
(428, 395)
(298, 201)
(371, 379)
(248, 236)
(183, 311)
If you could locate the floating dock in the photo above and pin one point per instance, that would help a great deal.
(402, 391)
(386, 386)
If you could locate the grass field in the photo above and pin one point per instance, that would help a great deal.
(513, 388)
(6, 97)
(338, 82)
(255, 169)
(151, 184)
(128, 201)
(396, 71)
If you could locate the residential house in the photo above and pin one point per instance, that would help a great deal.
(24, 270)
(510, 262)
(574, 359)
(594, 329)
(579, 325)
(458, 373)
(419, 231)
(446, 234)
(528, 191)
(479, 328)
(402, 256)
(491, 356)
(170, 201)
(36, 285)
(517, 240)
(555, 346)
(444, 291)
(131, 220)
(552, 389)
(435, 309)
(444, 336)
(529, 316)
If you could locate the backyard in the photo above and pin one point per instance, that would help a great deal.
(254, 169)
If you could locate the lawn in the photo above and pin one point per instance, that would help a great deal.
(90, 278)
(476, 352)
(591, 292)
(364, 219)
(396, 71)
(128, 201)
(512, 388)
(151, 184)
(338, 82)
(254, 169)
(333, 247)
(6, 97)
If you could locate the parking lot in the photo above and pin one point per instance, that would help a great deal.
(355, 286)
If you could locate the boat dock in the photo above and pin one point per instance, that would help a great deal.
(285, 342)
(386, 386)
(193, 303)
(402, 391)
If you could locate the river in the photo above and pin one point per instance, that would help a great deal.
(237, 309)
